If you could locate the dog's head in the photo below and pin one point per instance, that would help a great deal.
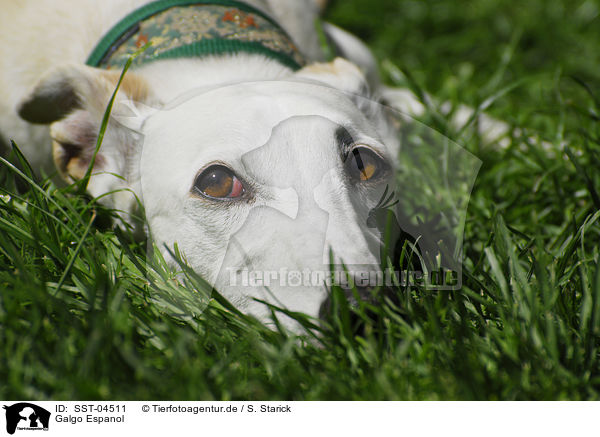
(261, 185)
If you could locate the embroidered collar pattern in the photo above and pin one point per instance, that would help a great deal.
(185, 29)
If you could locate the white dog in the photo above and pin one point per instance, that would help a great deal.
(248, 150)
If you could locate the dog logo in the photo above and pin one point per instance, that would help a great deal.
(26, 417)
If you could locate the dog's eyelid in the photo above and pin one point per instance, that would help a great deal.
(216, 163)
(372, 146)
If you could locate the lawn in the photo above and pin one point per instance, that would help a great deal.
(85, 314)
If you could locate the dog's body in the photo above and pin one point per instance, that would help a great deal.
(303, 163)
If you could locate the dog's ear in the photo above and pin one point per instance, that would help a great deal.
(340, 74)
(73, 99)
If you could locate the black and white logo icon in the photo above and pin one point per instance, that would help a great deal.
(26, 417)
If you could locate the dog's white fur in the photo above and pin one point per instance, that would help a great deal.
(288, 118)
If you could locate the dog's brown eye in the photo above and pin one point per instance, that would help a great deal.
(364, 165)
(219, 182)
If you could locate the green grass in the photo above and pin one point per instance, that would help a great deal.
(85, 315)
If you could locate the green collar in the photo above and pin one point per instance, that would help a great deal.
(192, 28)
